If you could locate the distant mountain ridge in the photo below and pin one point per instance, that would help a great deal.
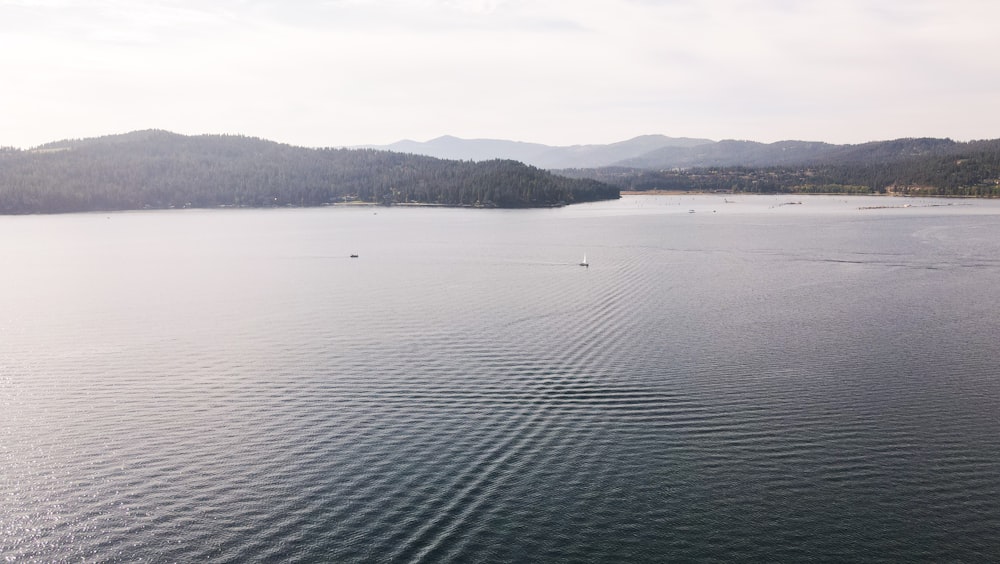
(925, 167)
(537, 154)
(730, 153)
(659, 152)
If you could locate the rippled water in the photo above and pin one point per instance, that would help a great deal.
(751, 381)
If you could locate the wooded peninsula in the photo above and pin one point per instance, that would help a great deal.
(158, 170)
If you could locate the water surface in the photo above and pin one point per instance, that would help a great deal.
(755, 380)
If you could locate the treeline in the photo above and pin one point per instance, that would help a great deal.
(967, 169)
(158, 169)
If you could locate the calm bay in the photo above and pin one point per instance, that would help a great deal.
(731, 378)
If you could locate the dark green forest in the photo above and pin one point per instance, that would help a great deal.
(158, 169)
(940, 168)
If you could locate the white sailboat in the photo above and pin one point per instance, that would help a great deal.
(585, 263)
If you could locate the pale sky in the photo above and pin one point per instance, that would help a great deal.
(561, 72)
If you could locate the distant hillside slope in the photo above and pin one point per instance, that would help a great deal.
(730, 153)
(543, 156)
(453, 148)
(933, 167)
(659, 152)
(159, 169)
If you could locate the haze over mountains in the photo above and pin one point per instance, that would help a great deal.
(660, 152)
(914, 166)
(543, 156)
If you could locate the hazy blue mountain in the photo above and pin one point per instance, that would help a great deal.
(924, 167)
(606, 155)
(730, 153)
(448, 147)
(659, 152)
(536, 154)
(897, 149)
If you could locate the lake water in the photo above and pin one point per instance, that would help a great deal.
(757, 380)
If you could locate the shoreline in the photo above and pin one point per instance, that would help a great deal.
(790, 194)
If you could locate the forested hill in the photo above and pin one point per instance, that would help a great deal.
(159, 169)
(926, 167)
